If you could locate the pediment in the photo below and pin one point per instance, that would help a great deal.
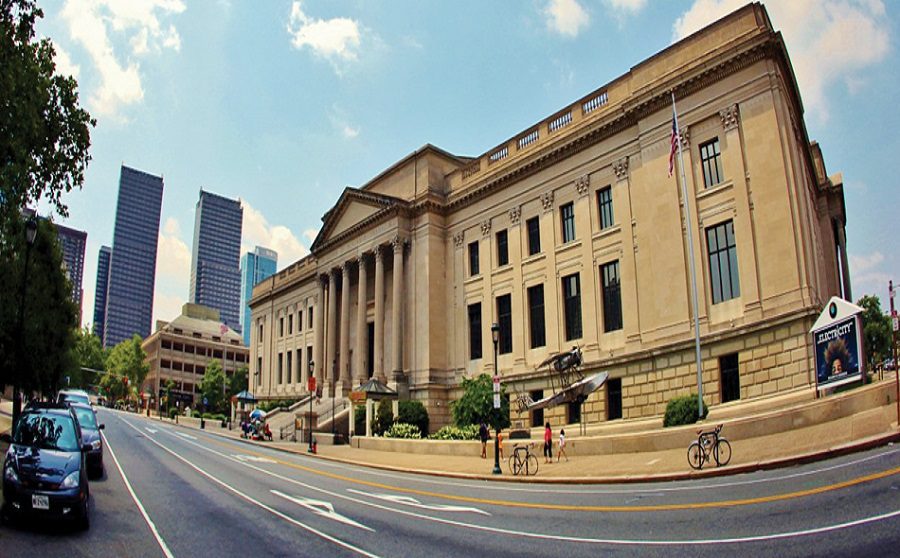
(353, 209)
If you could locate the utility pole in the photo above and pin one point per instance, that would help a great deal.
(894, 327)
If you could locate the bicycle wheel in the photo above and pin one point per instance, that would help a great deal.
(513, 465)
(695, 455)
(722, 452)
(531, 465)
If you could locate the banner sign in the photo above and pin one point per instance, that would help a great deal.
(838, 346)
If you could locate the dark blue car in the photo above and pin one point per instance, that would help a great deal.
(45, 469)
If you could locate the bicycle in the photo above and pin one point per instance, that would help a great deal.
(709, 445)
(522, 460)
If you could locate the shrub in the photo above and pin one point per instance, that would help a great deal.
(172, 412)
(683, 410)
(384, 417)
(403, 430)
(413, 412)
(275, 403)
(469, 432)
(219, 417)
(359, 421)
(195, 414)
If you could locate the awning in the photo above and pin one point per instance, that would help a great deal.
(376, 390)
(246, 397)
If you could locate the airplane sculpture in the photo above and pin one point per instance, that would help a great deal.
(566, 380)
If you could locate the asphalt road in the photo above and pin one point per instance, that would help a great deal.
(195, 494)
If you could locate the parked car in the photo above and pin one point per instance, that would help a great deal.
(45, 469)
(73, 395)
(90, 436)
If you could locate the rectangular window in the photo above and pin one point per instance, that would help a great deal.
(731, 377)
(475, 331)
(567, 218)
(502, 248)
(290, 324)
(537, 415)
(299, 365)
(473, 259)
(612, 296)
(572, 305)
(614, 398)
(290, 366)
(258, 370)
(711, 159)
(534, 235)
(281, 327)
(536, 316)
(504, 320)
(574, 412)
(280, 369)
(309, 360)
(723, 269)
(299, 320)
(260, 338)
(309, 314)
(605, 205)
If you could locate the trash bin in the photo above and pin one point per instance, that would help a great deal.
(202, 423)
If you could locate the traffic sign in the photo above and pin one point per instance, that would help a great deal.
(205, 401)
(496, 400)
(896, 323)
(311, 384)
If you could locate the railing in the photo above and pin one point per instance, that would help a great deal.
(499, 154)
(594, 103)
(527, 139)
(560, 121)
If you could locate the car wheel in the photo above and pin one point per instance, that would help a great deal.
(84, 518)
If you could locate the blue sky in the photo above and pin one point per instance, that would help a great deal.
(283, 104)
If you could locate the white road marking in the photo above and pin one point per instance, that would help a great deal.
(254, 458)
(150, 430)
(321, 508)
(412, 502)
(159, 539)
(254, 501)
(188, 436)
(525, 534)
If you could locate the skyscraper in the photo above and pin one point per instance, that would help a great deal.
(255, 266)
(215, 275)
(132, 268)
(100, 293)
(72, 243)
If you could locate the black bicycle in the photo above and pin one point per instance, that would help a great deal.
(523, 461)
(709, 445)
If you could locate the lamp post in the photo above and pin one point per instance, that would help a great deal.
(333, 386)
(30, 233)
(495, 335)
(312, 394)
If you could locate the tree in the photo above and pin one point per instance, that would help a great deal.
(211, 386)
(128, 360)
(88, 354)
(238, 381)
(44, 133)
(112, 387)
(876, 330)
(477, 404)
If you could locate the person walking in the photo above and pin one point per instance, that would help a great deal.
(548, 444)
(483, 434)
(562, 445)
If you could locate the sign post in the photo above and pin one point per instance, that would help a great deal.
(837, 339)
(311, 387)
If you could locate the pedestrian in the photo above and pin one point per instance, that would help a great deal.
(548, 444)
(483, 434)
(562, 445)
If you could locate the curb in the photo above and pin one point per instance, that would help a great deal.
(782, 462)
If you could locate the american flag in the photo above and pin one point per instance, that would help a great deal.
(674, 145)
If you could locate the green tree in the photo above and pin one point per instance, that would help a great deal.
(88, 354)
(876, 330)
(477, 404)
(112, 387)
(211, 387)
(128, 360)
(44, 133)
(238, 381)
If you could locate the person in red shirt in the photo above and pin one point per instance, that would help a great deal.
(548, 444)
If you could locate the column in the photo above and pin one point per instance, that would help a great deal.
(362, 343)
(396, 357)
(331, 329)
(379, 315)
(344, 354)
(319, 343)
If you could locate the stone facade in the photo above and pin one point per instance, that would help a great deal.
(572, 234)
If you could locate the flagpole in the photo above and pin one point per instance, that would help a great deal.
(690, 239)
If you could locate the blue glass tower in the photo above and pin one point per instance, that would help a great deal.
(132, 267)
(72, 243)
(100, 293)
(215, 260)
(255, 266)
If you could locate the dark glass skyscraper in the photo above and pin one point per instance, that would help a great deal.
(100, 293)
(215, 275)
(255, 266)
(132, 268)
(72, 243)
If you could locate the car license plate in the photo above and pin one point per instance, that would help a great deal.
(40, 502)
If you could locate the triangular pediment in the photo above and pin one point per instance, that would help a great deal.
(354, 208)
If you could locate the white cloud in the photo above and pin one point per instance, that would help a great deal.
(64, 64)
(166, 307)
(258, 232)
(339, 120)
(100, 26)
(336, 40)
(632, 6)
(830, 42)
(174, 256)
(866, 273)
(350, 132)
(566, 17)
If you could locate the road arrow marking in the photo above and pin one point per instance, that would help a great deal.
(150, 430)
(408, 501)
(323, 509)
(254, 458)
(183, 435)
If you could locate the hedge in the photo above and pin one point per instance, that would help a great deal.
(683, 410)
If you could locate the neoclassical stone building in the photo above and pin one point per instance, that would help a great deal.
(571, 233)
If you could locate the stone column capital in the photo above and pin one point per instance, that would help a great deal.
(459, 239)
(398, 243)
(620, 167)
(730, 117)
(547, 201)
(583, 184)
(515, 214)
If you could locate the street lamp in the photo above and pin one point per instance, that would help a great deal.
(495, 335)
(333, 386)
(312, 394)
(30, 233)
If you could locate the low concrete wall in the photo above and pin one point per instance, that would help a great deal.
(869, 409)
